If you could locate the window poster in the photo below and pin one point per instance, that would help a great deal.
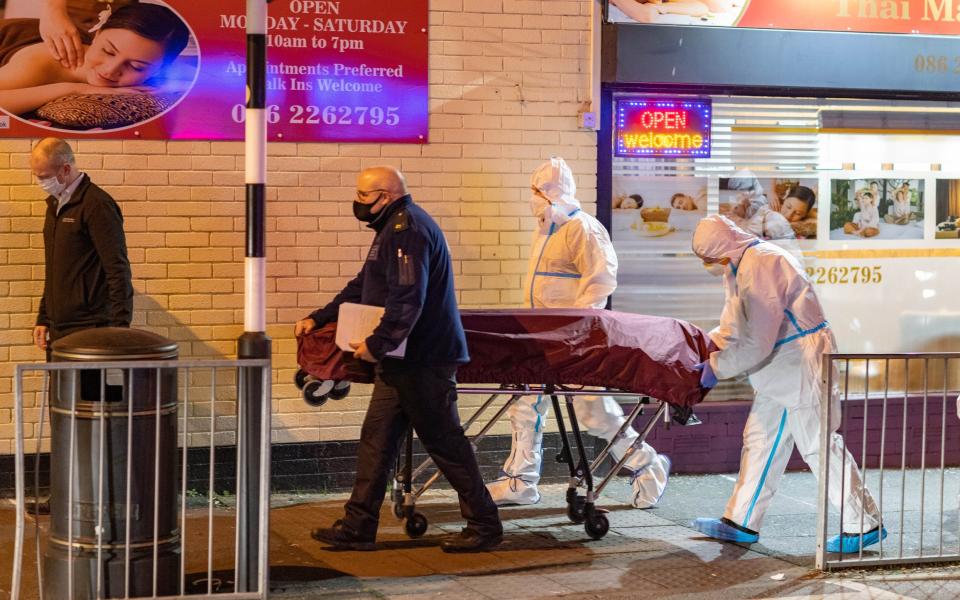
(772, 208)
(948, 209)
(882, 209)
(658, 210)
(653, 220)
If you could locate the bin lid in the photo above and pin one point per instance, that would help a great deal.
(113, 343)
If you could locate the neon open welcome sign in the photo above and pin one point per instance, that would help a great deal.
(663, 127)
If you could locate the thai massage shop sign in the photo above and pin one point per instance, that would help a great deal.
(662, 128)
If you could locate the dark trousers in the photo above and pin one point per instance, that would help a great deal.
(426, 398)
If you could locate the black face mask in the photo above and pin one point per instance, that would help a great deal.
(362, 211)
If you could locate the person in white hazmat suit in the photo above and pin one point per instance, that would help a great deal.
(773, 329)
(572, 265)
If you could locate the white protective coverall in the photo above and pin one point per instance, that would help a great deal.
(773, 329)
(572, 265)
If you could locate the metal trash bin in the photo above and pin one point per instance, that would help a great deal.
(138, 546)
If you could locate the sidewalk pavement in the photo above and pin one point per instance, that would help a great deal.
(647, 554)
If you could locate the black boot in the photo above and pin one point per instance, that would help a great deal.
(343, 537)
(470, 540)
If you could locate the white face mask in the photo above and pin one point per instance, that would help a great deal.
(51, 186)
(543, 211)
(715, 269)
(539, 206)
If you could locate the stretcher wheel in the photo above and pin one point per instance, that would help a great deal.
(340, 390)
(416, 525)
(575, 509)
(396, 496)
(300, 378)
(316, 392)
(597, 525)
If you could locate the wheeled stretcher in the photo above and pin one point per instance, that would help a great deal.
(554, 353)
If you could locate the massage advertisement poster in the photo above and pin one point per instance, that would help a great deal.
(338, 71)
(772, 208)
(925, 17)
(658, 210)
(653, 219)
(948, 209)
(882, 209)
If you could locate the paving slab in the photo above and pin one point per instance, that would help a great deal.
(647, 554)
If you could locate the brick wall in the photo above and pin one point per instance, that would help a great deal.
(508, 78)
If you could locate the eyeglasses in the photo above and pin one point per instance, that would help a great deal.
(361, 193)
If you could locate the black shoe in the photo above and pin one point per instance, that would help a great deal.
(343, 537)
(470, 540)
(37, 507)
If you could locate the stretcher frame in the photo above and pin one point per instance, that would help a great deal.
(580, 508)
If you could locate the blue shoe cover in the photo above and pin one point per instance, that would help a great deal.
(848, 543)
(719, 530)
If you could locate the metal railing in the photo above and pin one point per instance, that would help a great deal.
(114, 428)
(899, 421)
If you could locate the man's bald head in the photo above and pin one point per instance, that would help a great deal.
(385, 178)
(53, 152)
(53, 157)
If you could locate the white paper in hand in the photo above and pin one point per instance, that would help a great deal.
(355, 323)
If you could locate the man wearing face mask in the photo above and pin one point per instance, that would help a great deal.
(572, 265)
(88, 281)
(773, 329)
(409, 273)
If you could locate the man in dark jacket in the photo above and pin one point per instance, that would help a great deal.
(409, 273)
(87, 281)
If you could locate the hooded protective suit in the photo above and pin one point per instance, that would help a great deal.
(572, 265)
(773, 329)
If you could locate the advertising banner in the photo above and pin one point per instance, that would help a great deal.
(930, 17)
(338, 71)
